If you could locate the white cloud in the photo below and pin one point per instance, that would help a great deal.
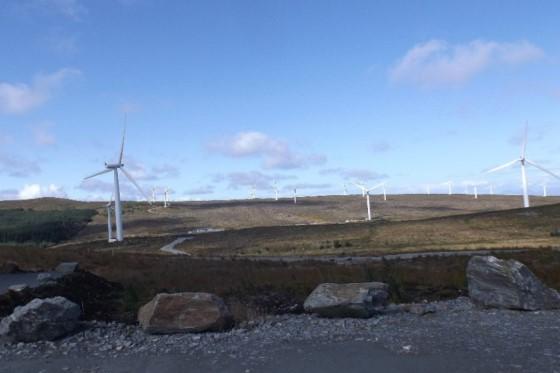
(141, 172)
(30, 191)
(276, 154)
(19, 98)
(436, 62)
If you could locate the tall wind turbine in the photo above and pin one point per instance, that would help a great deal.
(544, 190)
(153, 194)
(523, 162)
(366, 192)
(115, 167)
(295, 196)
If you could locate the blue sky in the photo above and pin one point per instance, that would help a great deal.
(221, 95)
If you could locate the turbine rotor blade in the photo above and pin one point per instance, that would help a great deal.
(97, 174)
(509, 164)
(543, 169)
(135, 184)
(377, 186)
(122, 144)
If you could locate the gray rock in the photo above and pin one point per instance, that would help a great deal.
(67, 267)
(40, 319)
(184, 313)
(359, 300)
(508, 284)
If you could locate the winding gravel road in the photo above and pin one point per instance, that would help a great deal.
(456, 338)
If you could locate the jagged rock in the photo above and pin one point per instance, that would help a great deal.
(508, 284)
(347, 300)
(67, 267)
(184, 313)
(41, 319)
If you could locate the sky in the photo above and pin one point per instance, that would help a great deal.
(221, 96)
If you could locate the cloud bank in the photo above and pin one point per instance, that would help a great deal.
(275, 153)
(437, 63)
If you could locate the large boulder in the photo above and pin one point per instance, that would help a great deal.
(184, 313)
(508, 284)
(347, 300)
(41, 319)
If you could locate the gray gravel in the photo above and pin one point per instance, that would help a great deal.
(457, 337)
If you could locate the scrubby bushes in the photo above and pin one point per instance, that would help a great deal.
(31, 226)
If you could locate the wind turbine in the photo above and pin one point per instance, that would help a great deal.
(153, 194)
(523, 162)
(449, 187)
(491, 189)
(545, 191)
(253, 193)
(475, 190)
(166, 198)
(295, 196)
(115, 167)
(382, 185)
(366, 192)
(345, 189)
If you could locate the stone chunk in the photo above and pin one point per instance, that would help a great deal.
(347, 300)
(508, 284)
(41, 319)
(184, 313)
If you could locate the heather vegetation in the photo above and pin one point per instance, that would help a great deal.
(42, 226)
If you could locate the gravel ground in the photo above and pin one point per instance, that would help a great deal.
(456, 337)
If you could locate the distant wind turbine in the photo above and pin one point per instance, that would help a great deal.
(295, 196)
(153, 194)
(275, 191)
(545, 192)
(115, 167)
(166, 197)
(449, 187)
(523, 161)
(366, 192)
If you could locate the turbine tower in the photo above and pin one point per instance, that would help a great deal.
(153, 194)
(115, 167)
(523, 162)
(544, 190)
(295, 196)
(109, 207)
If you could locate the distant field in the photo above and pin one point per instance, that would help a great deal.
(331, 225)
